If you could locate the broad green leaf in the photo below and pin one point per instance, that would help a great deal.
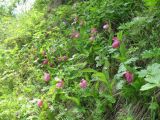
(150, 3)
(123, 52)
(142, 73)
(89, 70)
(129, 61)
(74, 99)
(110, 98)
(147, 86)
(122, 68)
(153, 106)
(153, 53)
(120, 35)
(120, 84)
(101, 77)
(153, 74)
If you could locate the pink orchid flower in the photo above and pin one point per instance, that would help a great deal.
(116, 42)
(128, 76)
(47, 77)
(93, 30)
(40, 103)
(83, 83)
(60, 84)
(45, 61)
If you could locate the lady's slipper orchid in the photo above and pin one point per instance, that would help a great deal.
(93, 31)
(128, 76)
(115, 39)
(51, 65)
(116, 44)
(60, 84)
(45, 61)
(43, 53)
(83, 83)
(40, 103)
(92, 38)
(75, 35)
(47, 77)
(62, 58)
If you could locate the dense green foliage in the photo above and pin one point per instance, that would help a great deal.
(69, 42)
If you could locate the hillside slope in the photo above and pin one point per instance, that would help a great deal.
(81, 60)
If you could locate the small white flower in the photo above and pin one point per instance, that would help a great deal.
(57, 78)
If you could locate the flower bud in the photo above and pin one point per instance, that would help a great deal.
(51, 65)
(92, 38)
(75, 35)
(93, 31)
(47, 77)
(106, 26)
(43, 53)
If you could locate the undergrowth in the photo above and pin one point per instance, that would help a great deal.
(81, 60)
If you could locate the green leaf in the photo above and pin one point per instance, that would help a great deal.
(110, 98)
(142, 73)
(153, 53)
(123, 52)
(153, 106)
(74, 99)
(120, 84)
(147, 86)
(120, 35)
(150, 3)
(131, 60)
(153, 75)
(122, 68)
(89, 70)
(101, 77)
